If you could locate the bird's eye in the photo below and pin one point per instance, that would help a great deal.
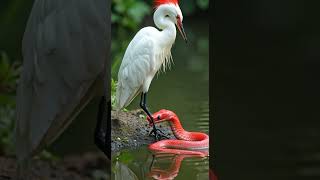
(167, 15)
(158, 117)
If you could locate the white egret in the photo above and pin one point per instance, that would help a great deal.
(65, 50)
(146, 53)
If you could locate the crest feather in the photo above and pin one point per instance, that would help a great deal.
(157, 3)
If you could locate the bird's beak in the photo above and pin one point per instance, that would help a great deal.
(183, 34)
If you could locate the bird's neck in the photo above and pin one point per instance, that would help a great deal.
(167, 27)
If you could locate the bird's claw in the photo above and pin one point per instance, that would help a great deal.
(158, 134)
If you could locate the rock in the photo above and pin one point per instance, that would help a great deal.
(131, 130)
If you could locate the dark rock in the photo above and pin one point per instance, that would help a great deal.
(129, 126)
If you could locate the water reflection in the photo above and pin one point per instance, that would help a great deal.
(166, 173)
(122, 171)
(160, 167)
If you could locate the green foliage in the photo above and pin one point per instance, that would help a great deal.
(49, 156)
(128, 13)
(9, 74)
(191, 7)
(113, 92)
(125, 157)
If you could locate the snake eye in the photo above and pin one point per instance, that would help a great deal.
(158, 117)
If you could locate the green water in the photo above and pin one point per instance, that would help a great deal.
(184, 89)
(141, 164)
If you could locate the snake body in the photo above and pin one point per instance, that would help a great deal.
(193, 143)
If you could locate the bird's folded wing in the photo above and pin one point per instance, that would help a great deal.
(64, 51)
(136, 66)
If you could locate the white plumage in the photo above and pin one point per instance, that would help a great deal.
(146, 53)
(64, 56)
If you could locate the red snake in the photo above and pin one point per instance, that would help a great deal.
(192, 143)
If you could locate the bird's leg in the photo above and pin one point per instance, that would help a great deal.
(101, 134)
(155, 130)
(143, 106)
(152, 162)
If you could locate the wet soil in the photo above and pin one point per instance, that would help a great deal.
(131, 130)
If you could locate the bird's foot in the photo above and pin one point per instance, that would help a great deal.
(158, 134)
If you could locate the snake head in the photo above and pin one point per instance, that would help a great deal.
(162, 115)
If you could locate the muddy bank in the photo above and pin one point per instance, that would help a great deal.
(81, 167)
(131, 130)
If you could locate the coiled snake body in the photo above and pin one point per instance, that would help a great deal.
(193, 143)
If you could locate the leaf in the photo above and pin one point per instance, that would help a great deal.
(203, 4)
(138, 11)
(115, 18)
(120, 7)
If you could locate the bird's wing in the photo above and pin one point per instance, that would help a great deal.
(136, 66)
(64, 51)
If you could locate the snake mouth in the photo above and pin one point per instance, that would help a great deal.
(159, 120)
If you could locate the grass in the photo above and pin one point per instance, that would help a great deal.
(113, 92)
(113, 95)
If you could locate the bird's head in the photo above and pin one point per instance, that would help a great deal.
(162, 115)
(173, 13)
